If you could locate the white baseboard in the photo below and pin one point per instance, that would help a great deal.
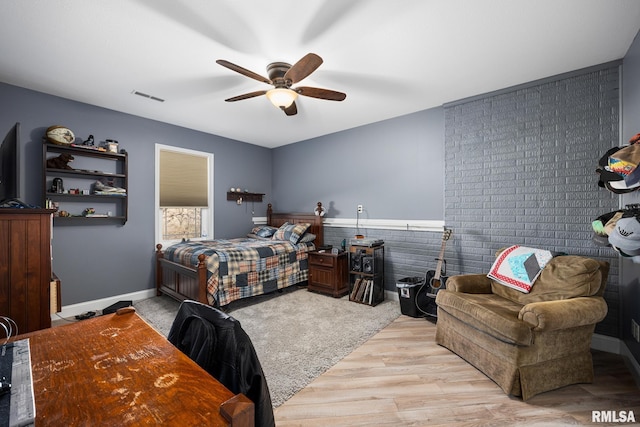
(392, 295)
(98, 304)
(632, 364)
(617, 346)
(607, 343)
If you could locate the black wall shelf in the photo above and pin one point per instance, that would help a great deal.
(114, 166)
(246, 197)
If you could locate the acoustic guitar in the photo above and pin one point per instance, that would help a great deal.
(435, 280)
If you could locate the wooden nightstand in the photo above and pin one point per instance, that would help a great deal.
(328, 273)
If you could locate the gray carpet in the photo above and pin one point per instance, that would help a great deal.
(297, 334)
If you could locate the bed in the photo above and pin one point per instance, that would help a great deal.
(218, 272)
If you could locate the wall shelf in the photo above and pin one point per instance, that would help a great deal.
(245, 196)
(88, 166)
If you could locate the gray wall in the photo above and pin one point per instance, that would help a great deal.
(630, 273)
(100, 261)
(393, 168)
(521, 170)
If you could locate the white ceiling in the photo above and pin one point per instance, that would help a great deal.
(391, 58)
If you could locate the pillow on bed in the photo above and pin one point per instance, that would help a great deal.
(255, 236)
(291, 232)
(264, 230)
(307, 238)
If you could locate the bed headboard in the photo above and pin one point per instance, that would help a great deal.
(277, 219)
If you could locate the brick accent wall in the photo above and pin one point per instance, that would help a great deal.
(520, 169)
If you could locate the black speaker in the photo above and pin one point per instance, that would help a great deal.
(356, 261)
(367, 264)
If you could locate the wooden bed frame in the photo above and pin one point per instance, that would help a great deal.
(182, 282)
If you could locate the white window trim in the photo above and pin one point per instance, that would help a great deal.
(207, 224)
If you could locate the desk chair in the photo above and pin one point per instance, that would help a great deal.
(217, 342)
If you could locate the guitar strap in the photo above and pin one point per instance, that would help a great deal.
(425, 304)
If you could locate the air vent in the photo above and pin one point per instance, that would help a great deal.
(144, 95)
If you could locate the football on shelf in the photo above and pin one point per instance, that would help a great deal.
(60, 135)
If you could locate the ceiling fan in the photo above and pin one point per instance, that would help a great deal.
(282, 76)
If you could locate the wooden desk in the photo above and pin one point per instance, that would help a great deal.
(118, 370)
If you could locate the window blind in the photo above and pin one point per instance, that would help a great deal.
(183, 180)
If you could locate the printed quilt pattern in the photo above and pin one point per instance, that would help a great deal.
(519, 266)
(243, 267)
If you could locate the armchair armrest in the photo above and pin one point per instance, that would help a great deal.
(469, 284)
(563, 314)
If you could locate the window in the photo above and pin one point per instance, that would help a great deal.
(184, 194)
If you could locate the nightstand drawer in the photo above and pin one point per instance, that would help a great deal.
(322, 260)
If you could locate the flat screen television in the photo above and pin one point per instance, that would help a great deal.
(10, 165)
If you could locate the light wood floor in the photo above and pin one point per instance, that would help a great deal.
(400, 377)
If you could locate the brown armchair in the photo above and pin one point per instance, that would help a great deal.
(526, 343)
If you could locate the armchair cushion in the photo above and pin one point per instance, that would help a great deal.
(488, 313)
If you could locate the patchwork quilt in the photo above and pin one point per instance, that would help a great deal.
(518, 267)
(245, 267)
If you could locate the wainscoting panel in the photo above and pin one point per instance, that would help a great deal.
(406, 253)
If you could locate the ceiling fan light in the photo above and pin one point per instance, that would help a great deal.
(281, 97)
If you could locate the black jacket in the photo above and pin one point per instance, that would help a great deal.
(217, 342)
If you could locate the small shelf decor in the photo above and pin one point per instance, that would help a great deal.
(244, 196)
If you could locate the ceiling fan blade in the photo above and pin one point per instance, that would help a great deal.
(246, 96)
(243, 71)
(301, 69)
(315, 92)
(291, 110)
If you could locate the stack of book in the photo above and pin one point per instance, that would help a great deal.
(362, 291)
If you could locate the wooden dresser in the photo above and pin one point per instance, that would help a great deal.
(25, 267)
(328, 273)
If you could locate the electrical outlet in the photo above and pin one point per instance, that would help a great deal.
(359, 208)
